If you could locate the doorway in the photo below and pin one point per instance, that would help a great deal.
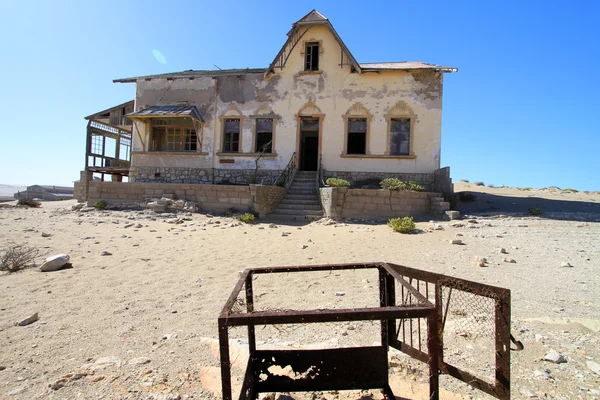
(309, 144)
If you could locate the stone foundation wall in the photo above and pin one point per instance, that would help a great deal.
(212, 198)
(202, 175)
(267, 198)
(427, 180)
(374, 204)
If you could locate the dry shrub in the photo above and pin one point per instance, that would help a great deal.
(17, 257)
(29, 202)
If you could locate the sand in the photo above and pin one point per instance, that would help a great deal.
(142, 323)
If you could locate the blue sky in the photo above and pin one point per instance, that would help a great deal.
(522, 110)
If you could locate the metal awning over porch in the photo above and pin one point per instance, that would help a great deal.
(172, 111)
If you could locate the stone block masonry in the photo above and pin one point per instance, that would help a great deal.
(212, 198)
(202, 175)
(377, 204)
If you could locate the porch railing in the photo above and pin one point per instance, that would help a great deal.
(287, 175)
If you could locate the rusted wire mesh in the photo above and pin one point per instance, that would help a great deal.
(471, 314)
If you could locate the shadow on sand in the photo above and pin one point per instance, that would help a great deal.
(487, 204)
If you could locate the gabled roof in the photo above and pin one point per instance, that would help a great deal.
(299, 28)
(168, 111)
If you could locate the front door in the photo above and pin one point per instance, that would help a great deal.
(309, 144)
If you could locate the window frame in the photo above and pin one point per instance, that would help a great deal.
(304, 53)
(256, 132)
(224, 133)
(401, 110)
(175, 132)
(357, 111)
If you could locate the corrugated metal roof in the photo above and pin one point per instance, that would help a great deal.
(404, 65)
(190, 73)
(168, 111)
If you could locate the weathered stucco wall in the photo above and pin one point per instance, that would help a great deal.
(214, 198)
(330, 93)
(377, 204)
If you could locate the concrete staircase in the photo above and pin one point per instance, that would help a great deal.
(301, 202)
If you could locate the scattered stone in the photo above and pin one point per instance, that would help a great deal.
(304, 246)
(566, 265)
(46, 234)
(509, 260)
(77, 207)
(128, 225)
(286, 233)
(139, 361)
(29, 320)
(593, 366)
(456, 241)
(555, 357)
(54, 263)
(437, 227)
(481, 261)
(103, 362)
(17, 391)
(502, 250)
(340, 293)
(138, 226)
(453, 214)
(2, 367)
(106, 253)
(457, 225)
(272, 225)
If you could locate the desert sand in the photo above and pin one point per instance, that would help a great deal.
(141, 323)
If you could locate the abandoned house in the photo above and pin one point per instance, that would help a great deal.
(315, 112)
(45, 192)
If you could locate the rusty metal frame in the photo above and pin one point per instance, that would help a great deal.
(360, 367)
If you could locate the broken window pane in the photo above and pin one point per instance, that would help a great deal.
(232, 135)
(264, 136)
(310, 124)
(357, 136)
(400, 137)
(311, 56)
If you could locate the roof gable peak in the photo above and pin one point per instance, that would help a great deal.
(313, 16)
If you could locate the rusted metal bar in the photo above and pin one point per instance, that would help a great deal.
(309, 316)
(433, 348)
(234, 294)
(406, 284)
(307, 268)
(383, 302)
(251, 329)
(502, 341)
(224, 359)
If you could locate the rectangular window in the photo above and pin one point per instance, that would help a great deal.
(174, 134)
(357, 136)
(231, 141)
(264, 136)
(97, 144)
(400, 137)
(311, 56)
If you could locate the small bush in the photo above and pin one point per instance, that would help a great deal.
(18, 257)
(337, 182)
(414, 186)
(536, 212)
(466, 197)
(525, 189)
(393, 184)
(100, 205)
(464, 180)
(402, 225)
(569, 190)
(247, 218)
(479, 184)
(28, 202)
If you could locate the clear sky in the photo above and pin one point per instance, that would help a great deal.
(523, 110)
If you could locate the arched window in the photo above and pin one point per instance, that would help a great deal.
(400, 130)
(357, 121)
